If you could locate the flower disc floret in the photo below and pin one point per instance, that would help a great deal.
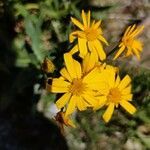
(77, 87)
(114, 96)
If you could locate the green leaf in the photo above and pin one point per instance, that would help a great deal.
(33, 30)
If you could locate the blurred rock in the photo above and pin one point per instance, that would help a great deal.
(132, 145)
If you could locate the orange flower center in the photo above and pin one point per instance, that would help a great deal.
(77, 87)
(91, 34)
(114, 95)
(128, 42)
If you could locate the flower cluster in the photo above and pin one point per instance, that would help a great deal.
(91, 82)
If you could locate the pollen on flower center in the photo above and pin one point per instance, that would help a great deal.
(128, 42)
(77, 87)
(91, 34)
(114, 95)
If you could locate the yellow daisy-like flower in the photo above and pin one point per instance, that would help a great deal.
(77, 88)
(89, 36)
(115, 92)
(129, 43)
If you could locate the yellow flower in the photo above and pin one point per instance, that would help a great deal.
(129, 43)
(115, 92)
(48, 66)
(89, 37)
(78, 88)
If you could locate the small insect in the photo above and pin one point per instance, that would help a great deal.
(48, 66)
(63, 120)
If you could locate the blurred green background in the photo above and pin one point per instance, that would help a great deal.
(30, 30)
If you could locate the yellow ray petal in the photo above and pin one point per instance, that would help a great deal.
(128, 107)
(117, 81)
(69, 61)
(136, 53)
(77, 68)
(90, 99)
(129, 52)
(73, 36)
(127, 90)
(137, 45)
(97, 24)
(65, 74)
(92, 61)
(101, 38)
(62, 101)
(122, 48)
(121, 44)
(93, 23)
(60, 82)
(84, 18)
(82, 47)
(104, 90)
(77, 23)
(81, 104)
(137, 31)
(111, 68)
(85, 63)
(81, 34)
(74, 49)
(61, 78)
(88, 18)
(90, 92)
(101, 102)
(124, 82)
(111, 77)
(108, 113)
(99, 85)
(55, 89)
(59, 86)
(89, 62)
(92, 49)
(71, 106)
(131, 30)
(127, 30)
(127, 97)
(99, 48)
(93, 76)
(99, 31)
